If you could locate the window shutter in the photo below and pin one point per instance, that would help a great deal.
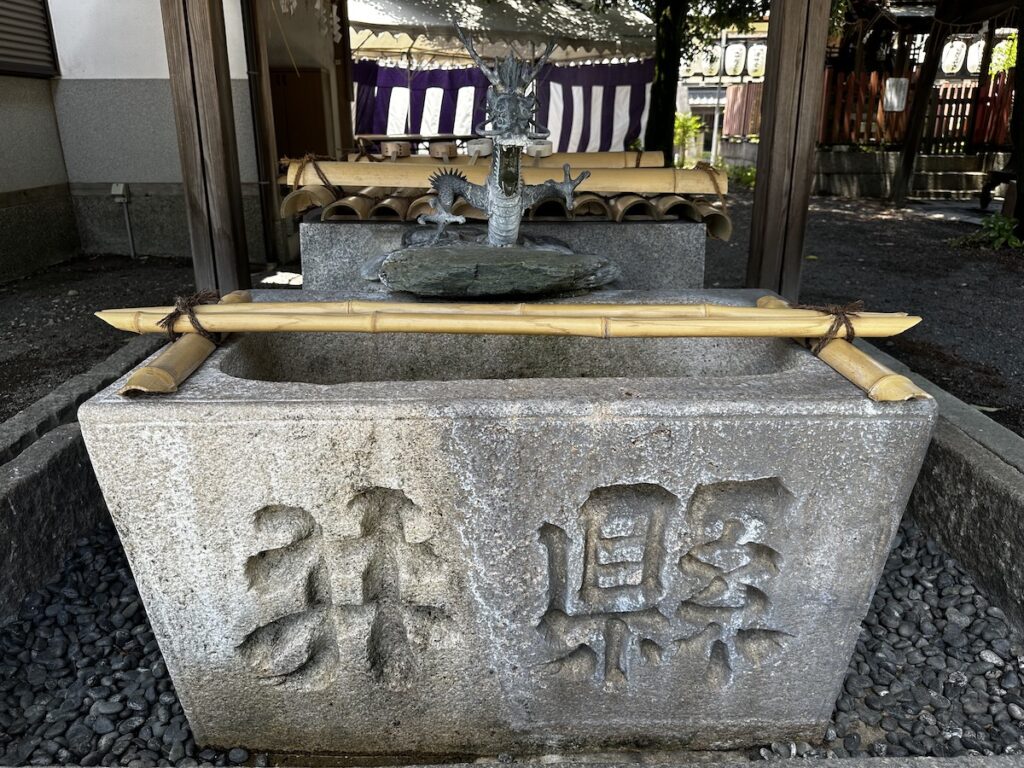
(26, 41)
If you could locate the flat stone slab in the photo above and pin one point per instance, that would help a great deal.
(649, 255)
(479, 270)
(421, 545)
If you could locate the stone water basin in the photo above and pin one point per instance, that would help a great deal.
(450, 545)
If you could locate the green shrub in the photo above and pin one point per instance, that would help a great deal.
(687, 127)
(996, 231)
(741, 176)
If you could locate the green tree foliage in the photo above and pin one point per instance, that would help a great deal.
(1004, 55)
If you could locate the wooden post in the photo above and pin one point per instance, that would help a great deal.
(790, 113)
(201, 91)
(984, 82)
(914, 133)
(254, 24)
(343, 76)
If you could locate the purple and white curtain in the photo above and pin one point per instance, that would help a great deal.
(587, 108)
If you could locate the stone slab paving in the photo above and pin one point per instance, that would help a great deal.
(936, 671)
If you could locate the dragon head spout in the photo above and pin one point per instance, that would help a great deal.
(510, 109)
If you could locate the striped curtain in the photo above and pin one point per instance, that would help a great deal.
(588, 108)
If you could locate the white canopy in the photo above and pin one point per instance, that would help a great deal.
(423, 29)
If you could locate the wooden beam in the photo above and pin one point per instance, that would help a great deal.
(790, 111)
(201, 94)
(914, 133)
(343, 78)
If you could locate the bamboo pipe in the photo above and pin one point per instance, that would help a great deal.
(589, 204)
(718, 223)
(351, 208)
(631, 207)
(178, 361)
(391, 208)
(418, 207)
(668, 206)
(299, 200)
(548, 210)
(463, 207)
(362, 306)
(881, 384)
(611, 180)
(544, 325)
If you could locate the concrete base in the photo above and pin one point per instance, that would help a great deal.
(37, 229)
(159, 224)
(48, 498)
(464, 545)
(48, 493)
(649, 255)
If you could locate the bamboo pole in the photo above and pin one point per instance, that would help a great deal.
(178, 361)
(362, 306)
(475, 323)
(554, 160)
(881, 384)
(611, 180)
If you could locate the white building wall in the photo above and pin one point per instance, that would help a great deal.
(113, 99)
(116, 121)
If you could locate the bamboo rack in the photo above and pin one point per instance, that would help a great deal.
(881, 384)
(555, 160)
(257, 319)
(179, 360)
(613, 180)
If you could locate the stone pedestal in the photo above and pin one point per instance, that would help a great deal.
(648, 254)
(468, 545)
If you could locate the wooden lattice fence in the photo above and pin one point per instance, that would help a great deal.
(853, 113)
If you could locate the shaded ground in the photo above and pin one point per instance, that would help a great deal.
(47, 331)
(969, 343)
(972, 300)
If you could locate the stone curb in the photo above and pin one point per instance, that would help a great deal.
(705, 760)
(48, 498)
(970, 493)
(61, 405)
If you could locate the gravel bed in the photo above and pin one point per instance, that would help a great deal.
(82, 681)
(936, 671)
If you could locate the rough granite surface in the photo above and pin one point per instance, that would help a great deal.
(48, 496)
(454, 545)
(649, 255)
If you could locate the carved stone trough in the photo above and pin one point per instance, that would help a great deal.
(464, 545)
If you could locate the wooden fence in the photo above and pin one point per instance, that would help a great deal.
(853, 113)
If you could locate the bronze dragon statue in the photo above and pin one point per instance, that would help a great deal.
(510, 114)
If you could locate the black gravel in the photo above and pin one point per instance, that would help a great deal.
(82, 681)
(937, 671)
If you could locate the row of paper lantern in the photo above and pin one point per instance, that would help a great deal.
(737, 58)
(956, 52)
